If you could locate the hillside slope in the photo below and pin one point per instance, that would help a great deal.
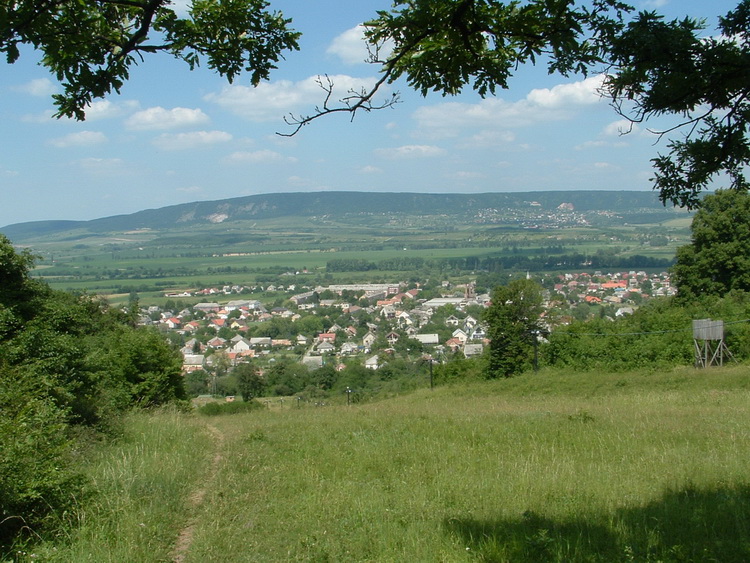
(271, 206)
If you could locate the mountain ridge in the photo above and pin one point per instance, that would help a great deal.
(308, 204)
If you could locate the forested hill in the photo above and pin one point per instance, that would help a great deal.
(282, 205)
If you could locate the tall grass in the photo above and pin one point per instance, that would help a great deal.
(541, 468)
(545, 467)
(139, 492)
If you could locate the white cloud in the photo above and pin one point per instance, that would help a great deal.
(620, 127)
(97, 110)
(190, 189)
(102, 166)
(350, 46)
(539, 106)
(654, 4)
(370, 170)
(300, 182)
(467, 175)
(605, 166)
(488, 139)
(410, 152)
(260, 156)
(594, 145)
(80, 139)
(269, 101)
(39, 87)
(194, 139)
(105, 109)
(159, 118)
(583, 92)
(46, 116)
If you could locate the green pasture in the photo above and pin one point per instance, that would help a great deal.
(248, 252)
(554, 467)
(208, 271)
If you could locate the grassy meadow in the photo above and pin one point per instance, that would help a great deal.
(543, 467)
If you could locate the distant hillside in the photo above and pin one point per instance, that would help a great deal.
(282, 205)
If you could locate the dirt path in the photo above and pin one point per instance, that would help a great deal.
(185, 537)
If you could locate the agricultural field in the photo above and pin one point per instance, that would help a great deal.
(554, 466)
(446, 242)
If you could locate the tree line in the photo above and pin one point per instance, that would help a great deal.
(602, 259)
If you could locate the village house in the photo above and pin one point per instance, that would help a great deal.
(368, 340)
(349, 349)
(473, 350)
(460, 335)
(327, 337)
(240, 345)
(192, 362)
(325, 347)
(430, 339)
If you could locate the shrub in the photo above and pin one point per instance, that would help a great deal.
(35, 466)
(217, 409)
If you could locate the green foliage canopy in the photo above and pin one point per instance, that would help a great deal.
(717, 260)
(249, 383)
(669, 67)
(513, 322)
(91, 46)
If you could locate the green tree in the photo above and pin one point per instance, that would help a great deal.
(324, 377)
(717, 260)
(19, 293)
(91, 46)
(249, 384)
(141, 366)
(196, 383)
(220, 363)
(287, 378)
(513, 324)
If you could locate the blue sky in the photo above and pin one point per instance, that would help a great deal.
(176, 136)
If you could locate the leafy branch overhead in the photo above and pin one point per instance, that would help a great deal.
(91, 46)
(671, 68)
(653, 67)
(446, 46)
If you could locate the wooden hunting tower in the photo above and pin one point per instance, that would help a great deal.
(710, 348)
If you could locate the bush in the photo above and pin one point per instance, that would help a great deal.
(35, 460)
(236, 407)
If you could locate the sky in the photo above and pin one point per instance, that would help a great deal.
(175, 136)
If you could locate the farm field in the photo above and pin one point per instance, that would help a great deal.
(546, 467)
(261, 239)
(154, 271)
